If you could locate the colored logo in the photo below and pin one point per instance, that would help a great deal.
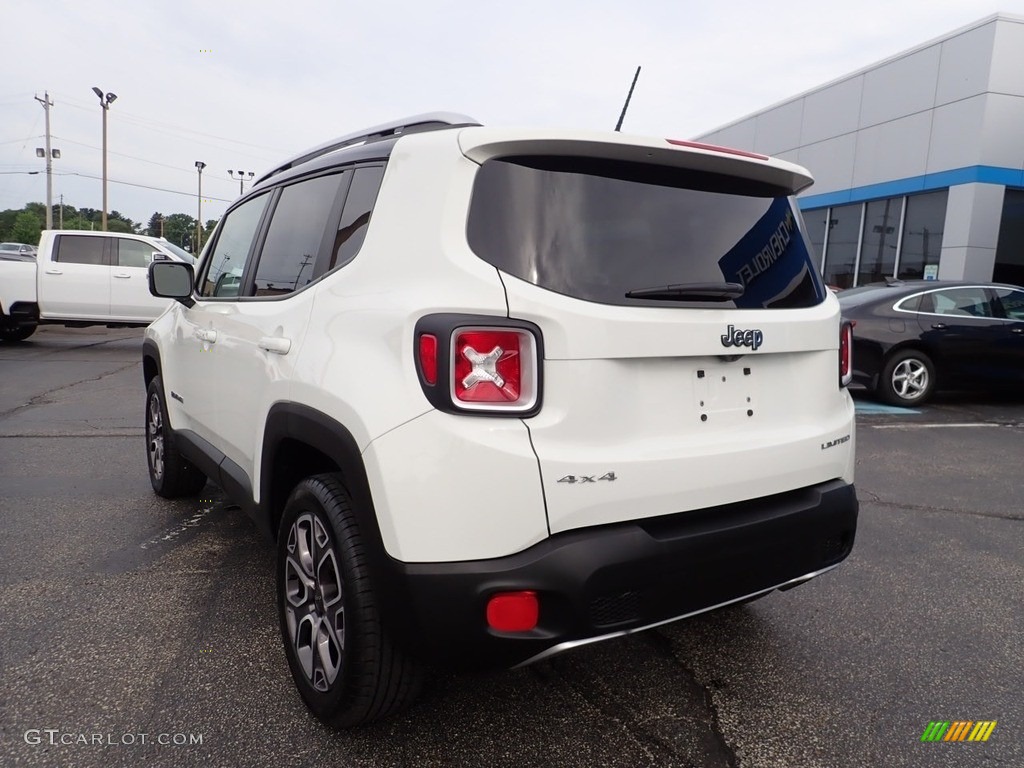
(959, 730)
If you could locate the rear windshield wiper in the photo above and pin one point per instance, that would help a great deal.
(690, 292)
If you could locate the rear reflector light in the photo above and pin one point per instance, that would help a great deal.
(846, 353)
(513, 611)
(716, 148)
(494, 369)
(428, 358)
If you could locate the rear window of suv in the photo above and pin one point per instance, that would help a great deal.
(597, 229)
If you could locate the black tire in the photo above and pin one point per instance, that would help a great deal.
(16, 332)
(345, 666)
(170, 473)
(907, 379)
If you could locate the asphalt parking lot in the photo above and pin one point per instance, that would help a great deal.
(141, 631)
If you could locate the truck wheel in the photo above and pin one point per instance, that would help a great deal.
(907, 379)
(343, 662)
(16, 332)
(170, 473)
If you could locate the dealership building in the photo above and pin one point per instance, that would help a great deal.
(918, 160)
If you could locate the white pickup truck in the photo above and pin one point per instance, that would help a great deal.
(83, 278)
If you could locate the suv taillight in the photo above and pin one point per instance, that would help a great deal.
(479, 365)
(846, 352)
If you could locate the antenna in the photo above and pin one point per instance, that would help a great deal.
(629, 96)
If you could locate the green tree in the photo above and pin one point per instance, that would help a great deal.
(7, 223)
(27, 228)
(180, 229)
(155, 224)
(119, 225)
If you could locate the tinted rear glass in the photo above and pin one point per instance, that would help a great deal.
(596, 229)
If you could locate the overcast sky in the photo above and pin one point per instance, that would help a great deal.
(240, 84)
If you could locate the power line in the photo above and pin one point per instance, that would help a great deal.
(130, 117)
(133, 157)
(143, 186)
(15, 141)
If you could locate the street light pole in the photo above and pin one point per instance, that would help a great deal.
(241, 176)
(105, 102)
(199, 223)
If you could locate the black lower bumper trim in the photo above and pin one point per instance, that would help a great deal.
(613, 579)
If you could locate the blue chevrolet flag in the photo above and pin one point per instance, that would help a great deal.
(771, 261)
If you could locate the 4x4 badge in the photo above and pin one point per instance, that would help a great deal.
(609, 476)
(749, 338)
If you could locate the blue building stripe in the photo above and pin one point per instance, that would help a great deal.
(974, 174)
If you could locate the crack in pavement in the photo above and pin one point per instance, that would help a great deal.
(719, 744)
(656, 749)
(924, 508)
(41, 399)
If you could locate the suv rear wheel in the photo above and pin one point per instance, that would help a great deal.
(170, 473)
(345, 666)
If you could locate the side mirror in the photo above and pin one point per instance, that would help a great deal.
(172, 280)
(160, 256)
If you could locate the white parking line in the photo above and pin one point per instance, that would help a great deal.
(927, 426)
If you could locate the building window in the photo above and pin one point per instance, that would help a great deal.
(901, 237)
(841, 248)
(880, 240)
(922, 235)
(1009, 266)
(814, 226)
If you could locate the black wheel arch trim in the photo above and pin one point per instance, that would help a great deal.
(303, 424)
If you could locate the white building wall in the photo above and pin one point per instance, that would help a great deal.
(971, 231)
(949, 113)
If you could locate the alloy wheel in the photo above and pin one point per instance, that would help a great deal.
(315, 611)
(155, 436)
(910, 379)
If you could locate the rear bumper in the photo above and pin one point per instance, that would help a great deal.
(602, 582)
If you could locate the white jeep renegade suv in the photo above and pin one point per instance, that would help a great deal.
(497, 393)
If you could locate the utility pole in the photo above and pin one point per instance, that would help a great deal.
(45, 101)
(629, 96)
(62, 210)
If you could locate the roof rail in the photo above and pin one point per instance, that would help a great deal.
(430, 121)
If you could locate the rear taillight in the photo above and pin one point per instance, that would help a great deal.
(428, 358)
(493, 369)
(477, 364)
(846, 352)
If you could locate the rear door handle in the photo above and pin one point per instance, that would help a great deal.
(275, 344)
(939, 326)
(1017, 329)
(54, 272)
(207, 335)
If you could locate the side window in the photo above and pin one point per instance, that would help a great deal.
(226, 263)
(1012, 302)
(356, 217)
(912, 304)
(289, 254)
(963, 302)
(80, 249)
(133, 253)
